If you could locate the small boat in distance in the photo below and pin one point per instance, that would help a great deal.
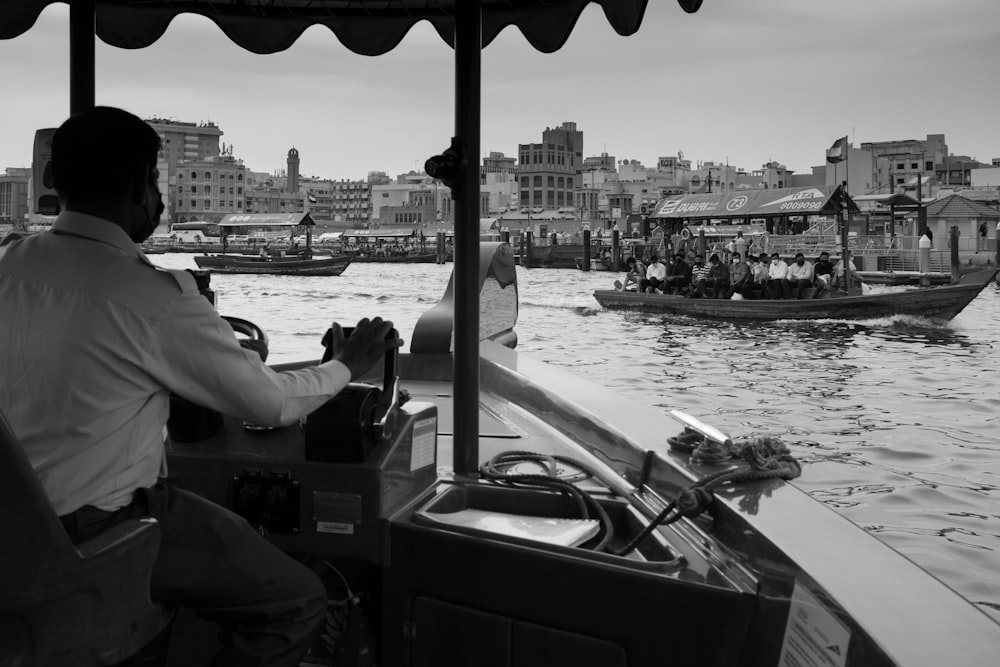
(942, 302)
(293, 262)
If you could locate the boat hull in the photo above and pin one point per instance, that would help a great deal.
(942, 303)
(425, 258)
(285, 266)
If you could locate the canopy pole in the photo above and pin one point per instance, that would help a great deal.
(81, 55)
(468, 72)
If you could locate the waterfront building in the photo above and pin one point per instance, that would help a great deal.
(14, 190)
(268, 194)
(674, 173)
(498, 179)
(550, 172)
(337, 205)
(720, 178)
(208, 189)
(905, 159)
(416, 198)
(955, 171)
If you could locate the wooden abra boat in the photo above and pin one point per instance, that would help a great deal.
(291, 265)
(942, 302)
(300, 263)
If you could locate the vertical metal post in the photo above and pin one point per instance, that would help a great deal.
(586, 250)
(81, 55)
(953, 246)
(468, 66)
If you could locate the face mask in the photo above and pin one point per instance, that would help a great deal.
(150, 223)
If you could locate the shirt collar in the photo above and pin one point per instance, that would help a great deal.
(94, 228)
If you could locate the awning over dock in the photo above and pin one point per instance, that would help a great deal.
(811, 200)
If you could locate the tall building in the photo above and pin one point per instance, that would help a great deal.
(184, 142)
(549, 172)
(293, 170)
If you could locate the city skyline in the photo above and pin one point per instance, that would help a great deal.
(743, 83)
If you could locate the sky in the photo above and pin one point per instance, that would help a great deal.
(742, 82)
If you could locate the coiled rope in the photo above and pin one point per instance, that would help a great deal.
(755, 458)
(763, 457)
(496, 470)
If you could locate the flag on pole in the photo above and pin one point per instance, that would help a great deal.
(837, 152)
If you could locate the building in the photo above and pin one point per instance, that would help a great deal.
(14, 186)
(498, 180)
(414, 198)
(209, 189)
(186, 142)
(351, 202)
(183, 142)
(550, 172)
(905, 159)
(955, 171)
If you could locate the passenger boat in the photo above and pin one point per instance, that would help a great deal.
(400, 509)
(285, 263)
(288, 265)
(941, 302)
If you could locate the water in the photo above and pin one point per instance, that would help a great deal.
(895, 420)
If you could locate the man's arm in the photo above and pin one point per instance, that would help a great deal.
(197, 356)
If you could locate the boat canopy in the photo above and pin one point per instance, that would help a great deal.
(383, 233)
(367, 27)
(267, 220)
(811, 200)
(898, 200)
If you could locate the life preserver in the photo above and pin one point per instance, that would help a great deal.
(685, 233)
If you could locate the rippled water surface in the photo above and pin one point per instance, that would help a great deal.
(895, 420)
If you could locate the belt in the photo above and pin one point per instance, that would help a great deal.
(89, 521)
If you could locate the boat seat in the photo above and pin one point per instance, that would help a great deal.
(65, 604)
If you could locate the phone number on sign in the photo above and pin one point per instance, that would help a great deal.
(800, 205)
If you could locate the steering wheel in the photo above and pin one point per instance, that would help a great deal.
(249, 335)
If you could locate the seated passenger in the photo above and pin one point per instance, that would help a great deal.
(718, 277)
(777, 274)
(846, 280)
(739, 277)
(678, 275)
(636, 272)
(656, 273)
(800, 276)
(699, 277)
(823, 273)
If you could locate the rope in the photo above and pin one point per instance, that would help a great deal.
(757, 458)
(765, 457)
(495, 470)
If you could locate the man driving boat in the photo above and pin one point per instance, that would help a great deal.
(94, 340)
